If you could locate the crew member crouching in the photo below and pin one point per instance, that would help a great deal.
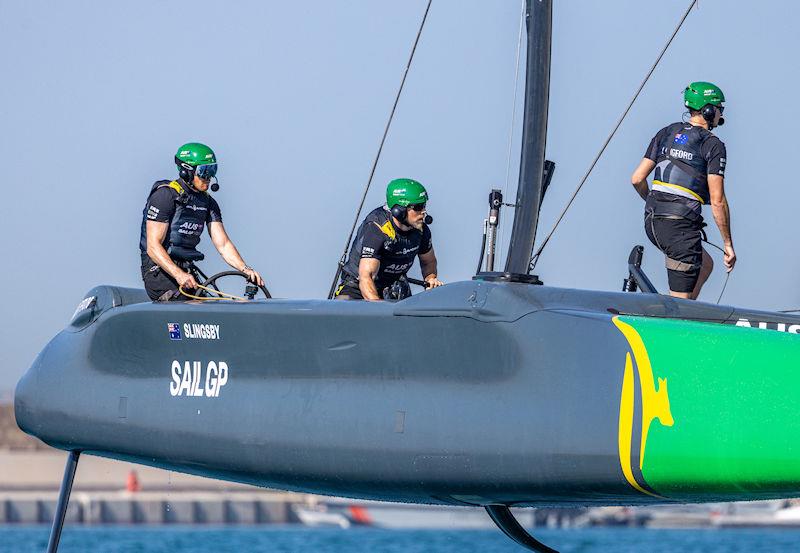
(386, 244)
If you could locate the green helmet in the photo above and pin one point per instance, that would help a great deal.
(404, 192)
(195, 154)
(698, 95)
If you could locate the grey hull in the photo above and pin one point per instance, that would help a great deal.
(474, 393)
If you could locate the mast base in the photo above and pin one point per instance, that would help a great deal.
(496, 276)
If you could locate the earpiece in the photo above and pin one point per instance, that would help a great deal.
(708, 112)
(185, 171)
(399, 212)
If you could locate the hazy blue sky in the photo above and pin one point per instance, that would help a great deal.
(96, 97)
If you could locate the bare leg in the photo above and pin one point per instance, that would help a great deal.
(705, 272)
(684, 295)
(707, 265)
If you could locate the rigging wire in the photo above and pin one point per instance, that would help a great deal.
(535, 258)
(343, 258)
(513, 114)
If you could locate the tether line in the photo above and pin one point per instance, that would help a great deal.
(535, 258)
(727, 275)
(343, 258)
(513, 115)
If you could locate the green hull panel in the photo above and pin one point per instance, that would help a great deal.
(709, 410)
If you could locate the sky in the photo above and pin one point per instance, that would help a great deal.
(95, 99)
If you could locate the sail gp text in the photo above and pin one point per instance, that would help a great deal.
(193, 379)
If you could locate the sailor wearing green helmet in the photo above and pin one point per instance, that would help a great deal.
(689, 162)
(173, 220)
(386, 244)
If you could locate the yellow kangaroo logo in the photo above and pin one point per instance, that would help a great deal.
(655, 402)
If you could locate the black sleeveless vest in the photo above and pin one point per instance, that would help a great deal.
(681, 168)
(400, 249)
(188, 222)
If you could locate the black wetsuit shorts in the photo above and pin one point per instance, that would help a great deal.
(158, 283)
(348, 290)
(681, 241)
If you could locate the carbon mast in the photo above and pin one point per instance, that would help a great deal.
(539, 23)
(530, 191)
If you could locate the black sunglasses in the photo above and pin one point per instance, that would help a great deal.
(416, 207)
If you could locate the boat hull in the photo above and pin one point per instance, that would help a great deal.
(475, 393)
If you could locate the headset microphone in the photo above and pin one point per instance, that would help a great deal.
(721, 121)
(215, 185)
(428, 219)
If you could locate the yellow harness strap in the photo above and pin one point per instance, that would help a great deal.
(176, 187)
(681, 188)
(387, 229)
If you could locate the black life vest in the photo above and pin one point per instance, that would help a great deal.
(681, 168)
(400, 249)
(188, 222)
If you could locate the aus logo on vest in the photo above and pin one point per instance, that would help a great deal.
(190, 228)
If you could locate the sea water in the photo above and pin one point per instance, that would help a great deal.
(202, 539)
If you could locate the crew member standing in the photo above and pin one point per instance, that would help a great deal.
(689, 161)
(387, 243)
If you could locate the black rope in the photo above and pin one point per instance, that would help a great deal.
(727, 275)
(711, 243)
(343, 259)
(535, 258)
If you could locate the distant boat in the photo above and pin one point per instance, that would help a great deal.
(787, 516)
(319, 515)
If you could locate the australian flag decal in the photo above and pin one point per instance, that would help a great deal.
(174, 330)
(681, 138)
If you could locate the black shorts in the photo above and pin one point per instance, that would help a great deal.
(157, 282)
(348, 291)
(681, 241)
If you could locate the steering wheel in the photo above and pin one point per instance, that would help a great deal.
(250, 291)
